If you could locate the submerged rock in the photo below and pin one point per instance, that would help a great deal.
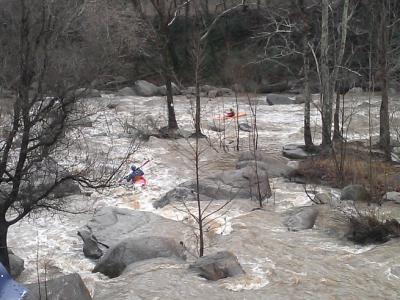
(62, 288)
(245, 127)
(217, 266)
(303, 218)
(133, 250)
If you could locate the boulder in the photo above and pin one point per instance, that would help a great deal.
(132, 250)
(146, 89)
(62, 288)
(245, 127)
(392, 196)
(356, 193)
(276, 99)
(278, 87)
(175, 90)
(293, 151)
(206, 88)
(110, 225)
(216, 266)
(90, 245)
(273, 166)
(240, 184)
(87, 93)
(299, 99)
(126, 91)
(220, 92)
(301, 218)
(395, 270)
(16, 264)
(323, 198)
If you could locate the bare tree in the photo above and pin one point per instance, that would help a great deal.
(36, 155)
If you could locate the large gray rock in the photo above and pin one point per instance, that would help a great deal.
(67, 287)
(110, 225)
(126, 91)
(275, 167)
(276, 99)
(356, 193)
(392, 196)
(301, 218)
(217, 266)
(132, 250)
(294, 151)
(146, 89)
(91, 247)
(16, 264)
(240, 184)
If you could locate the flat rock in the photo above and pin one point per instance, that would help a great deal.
(67, 287)
(277, 99)
(301, 218)
(110, 225)
(132, 250)
(228, 185)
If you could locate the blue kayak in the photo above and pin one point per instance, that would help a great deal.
(9, 288)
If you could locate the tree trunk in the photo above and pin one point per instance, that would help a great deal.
(3, 246)
(384, 129)
(172, 124)
(307, 95)
(198, 107)
(199, 210)
(336, 127)
(343, 34)
(326, 101)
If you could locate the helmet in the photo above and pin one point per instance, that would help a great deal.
(133, 167)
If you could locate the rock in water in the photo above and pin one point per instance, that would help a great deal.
(276, 99)
(273, 166)
(355, 192)
(16, 264)
(392, 196)
(245, 127)
(294, 151)
(90, 245)
(217, 266)
(146, 89)
(132, 250)
(67, 287)
(304, 218)
(126, 91)
(243, 183)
